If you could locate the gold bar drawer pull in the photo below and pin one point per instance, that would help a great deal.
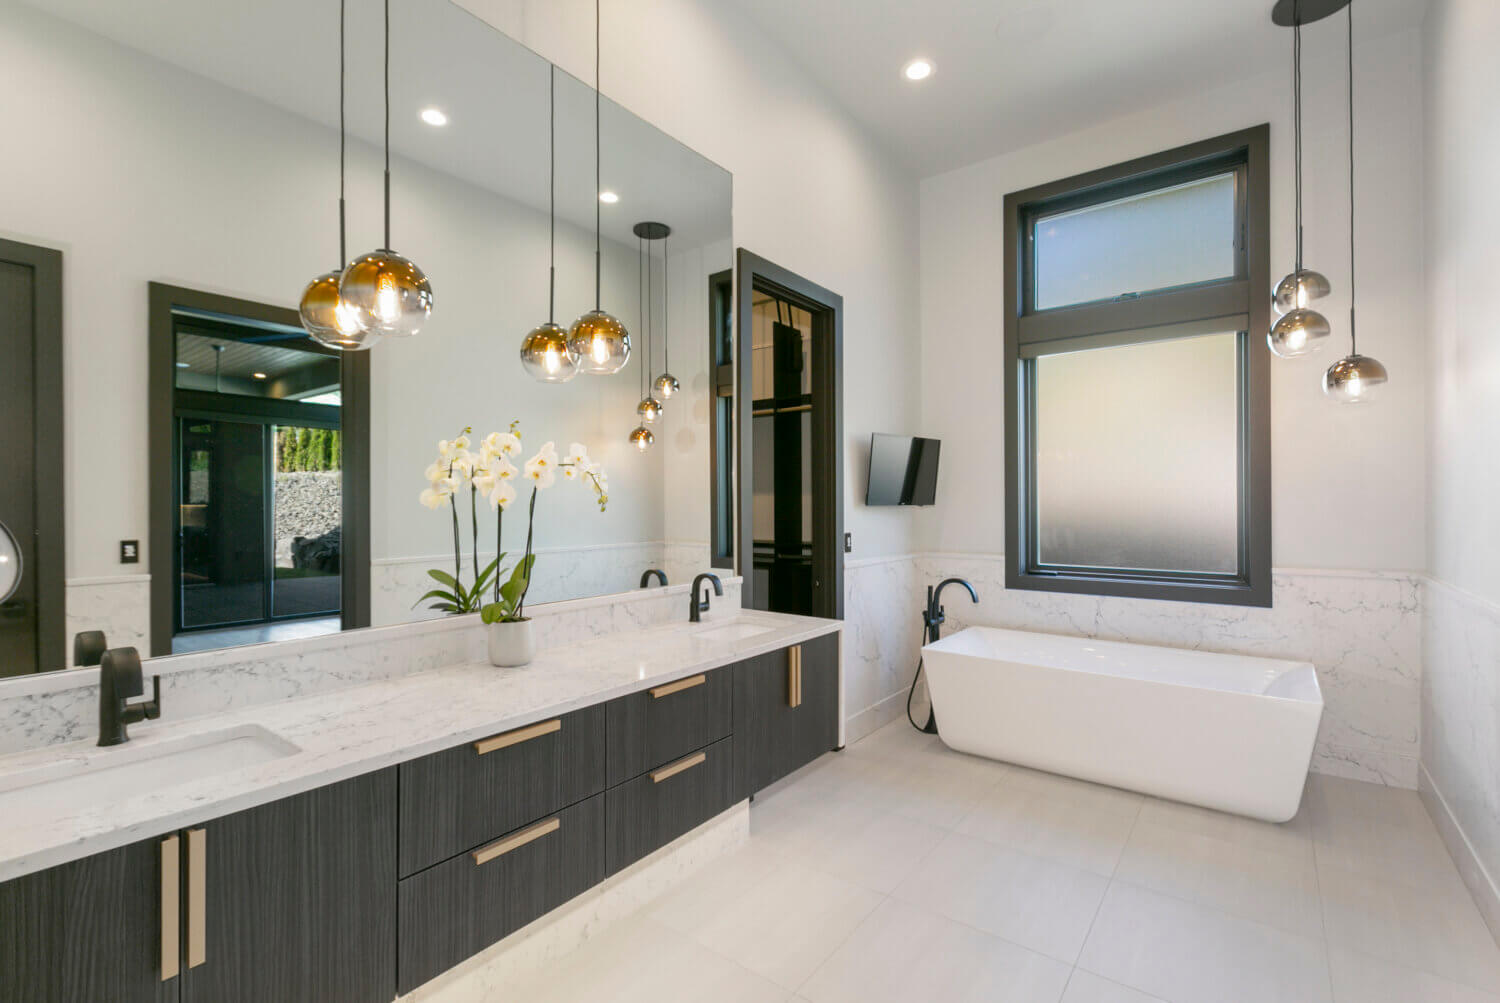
(171, 945)
(681, 766)
(515, 841)
(794, 677)
(197, 897)
(518, 736)
(667, 689)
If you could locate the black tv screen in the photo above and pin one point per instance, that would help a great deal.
(903, 470)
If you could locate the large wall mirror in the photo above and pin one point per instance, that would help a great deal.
(173, 169)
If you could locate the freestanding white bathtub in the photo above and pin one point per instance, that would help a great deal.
(1230, 732)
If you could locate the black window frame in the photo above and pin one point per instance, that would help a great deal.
(1238, 303)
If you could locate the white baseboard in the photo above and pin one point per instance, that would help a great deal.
(1481, 883)
(877, 715)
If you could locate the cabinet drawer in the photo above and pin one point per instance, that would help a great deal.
(667, 722)
(463, 905)
(454, 800)
(654, 809)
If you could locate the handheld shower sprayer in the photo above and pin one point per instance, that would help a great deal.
(933, 617)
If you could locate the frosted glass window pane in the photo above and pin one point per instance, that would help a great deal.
(1171, 237)
(1137, 456)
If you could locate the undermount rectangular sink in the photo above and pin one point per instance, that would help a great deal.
(734, 630)
(104, 776)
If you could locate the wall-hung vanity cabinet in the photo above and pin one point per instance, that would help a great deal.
(370, 887)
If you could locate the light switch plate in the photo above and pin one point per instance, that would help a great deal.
(130, 551)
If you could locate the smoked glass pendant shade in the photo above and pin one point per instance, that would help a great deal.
(1300, 288)
(544, 354)
(642, 438)
(599, 343)
(1299, 332)
(388, 293)
(666, 385)
(1354, 379)
(330, 321)
(10, 563)
(649, 410)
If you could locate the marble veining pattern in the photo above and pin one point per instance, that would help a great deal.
(345, 733)
(120, 606)
(883, 599)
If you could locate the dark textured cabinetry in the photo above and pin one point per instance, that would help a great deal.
(655, 808)
(785, 711)
(88, 930)
(658, 725)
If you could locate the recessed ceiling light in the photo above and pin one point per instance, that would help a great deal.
(259, 376)
(608, 198)
(434, 116)
(182, 365)
(918, 69)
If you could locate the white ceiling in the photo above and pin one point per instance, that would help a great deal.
(1014, 72)
(494, 90)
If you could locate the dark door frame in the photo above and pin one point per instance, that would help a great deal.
(49, 495)
(827, 308)
(354, 380)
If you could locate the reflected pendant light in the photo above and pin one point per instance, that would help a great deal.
(1355, 378)
(642, 437)
(1299, 330)
(598, 341)
(388, 293)
(650, 407)
(544, 352)
(666, 384)
(326, 317)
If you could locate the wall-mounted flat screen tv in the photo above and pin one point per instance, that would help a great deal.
(903, 470)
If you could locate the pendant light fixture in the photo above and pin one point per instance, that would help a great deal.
(1300, 329)
(544, 352)
(386, 292)
(666, 384)
(1354, 378)
(642, 437)
(650, 407)
(598, 341)
(326, 317)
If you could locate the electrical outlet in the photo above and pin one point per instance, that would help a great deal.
(848, 543)
(130, 551)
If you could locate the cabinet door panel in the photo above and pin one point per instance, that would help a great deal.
(773, 738)
(807, 731)
(300, 899)
(88, 930)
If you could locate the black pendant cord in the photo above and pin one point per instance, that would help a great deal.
(598, 184)
(343, 230)
(1297, 126)
(552, 193)
(666, 306)
(640, 282)
(387, 125)
(1353, 350)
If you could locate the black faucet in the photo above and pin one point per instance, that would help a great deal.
(658, 572)
(89, 647)
(932, 616)
(120, 679)
(694, 606)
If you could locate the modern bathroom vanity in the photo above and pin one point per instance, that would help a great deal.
(381, 834)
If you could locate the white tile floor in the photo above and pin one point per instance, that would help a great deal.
(898, 870)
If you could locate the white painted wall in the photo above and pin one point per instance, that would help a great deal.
(1461, 679)
(812, 192)
(1347, 490)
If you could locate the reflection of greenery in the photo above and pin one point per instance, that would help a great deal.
(313, 449)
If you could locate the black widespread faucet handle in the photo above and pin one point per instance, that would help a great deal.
(89, 647)
(152, 708)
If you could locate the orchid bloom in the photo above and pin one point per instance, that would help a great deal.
(541, 469)
(484, 479)
(501, 444)
(503, 493)
(436, 496)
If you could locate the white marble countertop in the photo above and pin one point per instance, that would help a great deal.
(349, 732)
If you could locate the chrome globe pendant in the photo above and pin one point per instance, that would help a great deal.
(544, 351)
(386, 292)
(1300, 330)
(325, 316)
(1355, 378)
(642, 438)
(597, 341)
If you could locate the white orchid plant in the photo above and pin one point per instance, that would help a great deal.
(491, 474)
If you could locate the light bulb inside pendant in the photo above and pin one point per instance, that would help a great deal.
(544, 354)
(1354, 379)
(387, 293)
(599, 343)
(330, 321)
(666, 385)
(1297, 333)
(642, 438)
(649, 410)
(1300, 288)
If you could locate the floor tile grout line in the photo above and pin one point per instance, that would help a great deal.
(1108, 884)
(1323, 919)
(839, 946)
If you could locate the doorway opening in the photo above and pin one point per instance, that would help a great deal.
(790, 419)
(257, 443)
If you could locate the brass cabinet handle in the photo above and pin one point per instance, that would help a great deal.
(197, 897)
(668, 689)
(667, 772)
(171, 875)
(501, 847)
(794, 676)
(518, 736)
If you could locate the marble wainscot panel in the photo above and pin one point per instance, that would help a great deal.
(1460, 779)
(683, 560)
(55, 707)
(883, 599)
(119, 605)
(560, 573)
(1362, 629)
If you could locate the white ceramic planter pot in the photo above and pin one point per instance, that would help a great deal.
(511, 644)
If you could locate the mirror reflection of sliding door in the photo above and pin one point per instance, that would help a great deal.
(221, 523)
